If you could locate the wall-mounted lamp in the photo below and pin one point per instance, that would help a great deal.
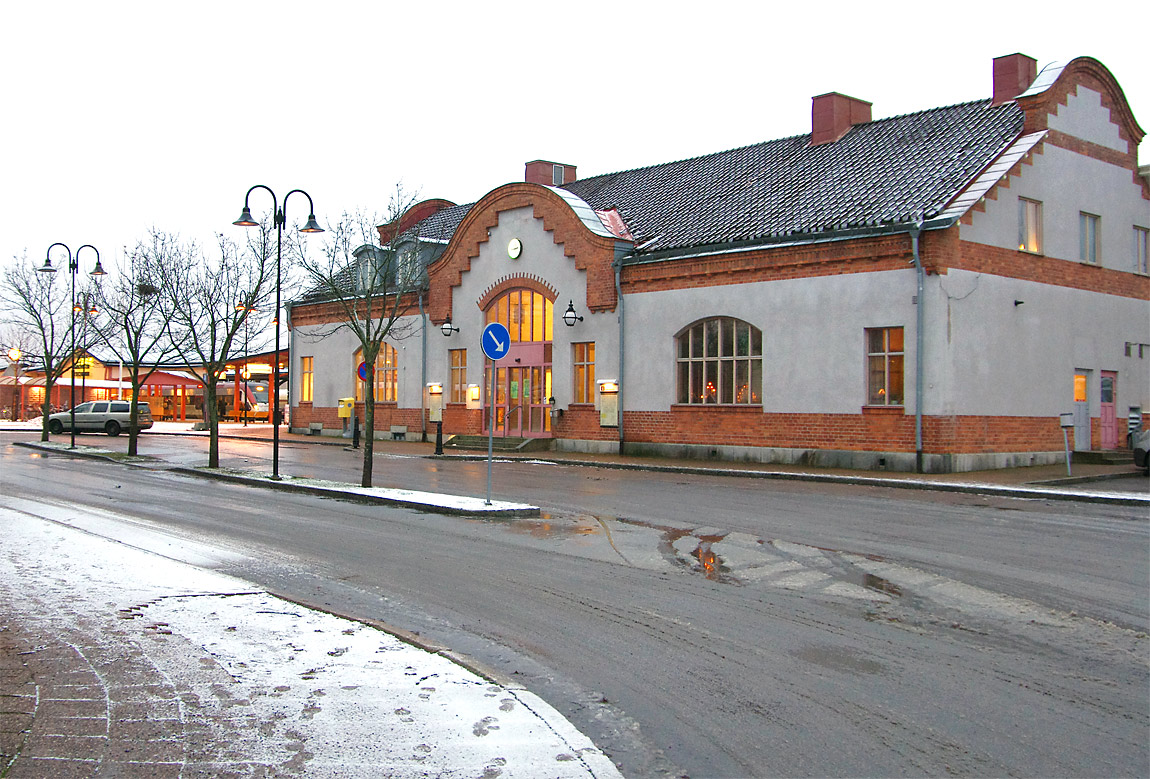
(473, 392)
(447, 329)
(569, 316)
(1018, 303)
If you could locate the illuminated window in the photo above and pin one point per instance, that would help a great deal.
(386, 375)
(1089, 241)
(458, 361)
(1141, 251)
(307, 375)
(884, 366)
(584, 363)
(720, 361)
(1029, 226)
(525, 313)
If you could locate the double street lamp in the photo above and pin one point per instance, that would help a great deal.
(279, 217)
(73, 268)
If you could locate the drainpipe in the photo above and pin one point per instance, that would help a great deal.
(915, 230)
(622, 375)
(423, 372)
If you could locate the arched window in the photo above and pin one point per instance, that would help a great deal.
(526, 314)
(720, 361)
(386, 374)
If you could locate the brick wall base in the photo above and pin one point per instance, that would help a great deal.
(874, 439)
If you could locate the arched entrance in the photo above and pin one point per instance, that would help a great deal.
(523, 377)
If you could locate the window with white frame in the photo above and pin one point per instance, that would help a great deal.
(1089, 246)
(385, 379)
(884, 358)
(1141, 252)
(1029, 225)
(458, 363)
(557, 175)
(720, 361)
(584, 364)
(307, 376)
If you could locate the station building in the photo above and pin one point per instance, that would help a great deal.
(933, 291)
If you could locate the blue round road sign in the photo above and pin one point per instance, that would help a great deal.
(495, 341)
(362, 371)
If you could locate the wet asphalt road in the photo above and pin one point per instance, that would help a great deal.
(713, 626)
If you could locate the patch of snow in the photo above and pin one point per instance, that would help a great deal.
(271, 680)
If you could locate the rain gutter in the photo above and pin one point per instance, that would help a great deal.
(920, 305)
(779, 241)
(620, 253)
(423, 372)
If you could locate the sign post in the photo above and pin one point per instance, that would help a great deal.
(1067, 422)
(495, 342)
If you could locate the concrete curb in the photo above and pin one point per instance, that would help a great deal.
(519, 510)
(865, 481)
(969, 488)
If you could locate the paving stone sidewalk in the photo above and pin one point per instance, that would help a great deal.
(116, 662)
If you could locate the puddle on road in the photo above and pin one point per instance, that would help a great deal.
(839, 659)
(547, 526)
(879, 584)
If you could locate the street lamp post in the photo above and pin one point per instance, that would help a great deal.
(14, 357)
(279, 216)
(73, 267)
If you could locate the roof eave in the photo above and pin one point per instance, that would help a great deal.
(775, 242)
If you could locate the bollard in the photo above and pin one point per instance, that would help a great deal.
(355, 432)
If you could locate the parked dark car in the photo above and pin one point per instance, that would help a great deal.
(101, 416)
(1140, 443)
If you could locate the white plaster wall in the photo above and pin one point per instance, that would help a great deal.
(1068, 183)
(1084, 117)
(983, 354)
(335, 364)
(813, 337)
(1003, 359)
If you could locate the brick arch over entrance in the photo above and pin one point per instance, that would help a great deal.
(517, 281)
(590, 252)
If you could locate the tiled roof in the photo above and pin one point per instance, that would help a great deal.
(894, 170)
(889, 170)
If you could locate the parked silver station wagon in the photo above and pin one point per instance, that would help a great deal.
(101, 416)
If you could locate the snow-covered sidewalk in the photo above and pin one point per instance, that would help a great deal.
(144, 666)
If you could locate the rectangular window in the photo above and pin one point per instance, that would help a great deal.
(557, 175)
(1029, 226)
(1141, 253)
(458, 361)
(1088, 238)
(584, 363)
(884, 366)
(306, 371)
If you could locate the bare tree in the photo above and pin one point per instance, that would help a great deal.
(210, 299)
(132, 315)
(39, 304)
(373, 276)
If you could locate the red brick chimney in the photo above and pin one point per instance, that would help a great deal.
(1013, 75)
(549, 174)
(833, 114)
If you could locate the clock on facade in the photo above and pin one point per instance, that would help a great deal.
(514, 248)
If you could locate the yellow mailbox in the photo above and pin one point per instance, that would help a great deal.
(345, 406)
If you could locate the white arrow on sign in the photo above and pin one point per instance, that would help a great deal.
(499, 347)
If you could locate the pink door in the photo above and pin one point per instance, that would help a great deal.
(1109, 422)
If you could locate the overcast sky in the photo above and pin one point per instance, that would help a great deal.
(123, 116)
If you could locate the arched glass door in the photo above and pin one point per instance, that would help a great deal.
(523, 377)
